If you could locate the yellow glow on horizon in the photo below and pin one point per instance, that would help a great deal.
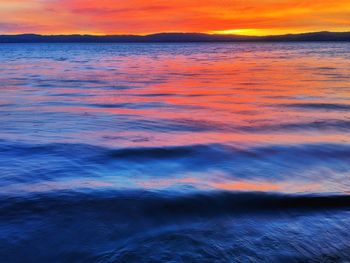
(246, 32)
(257, 32)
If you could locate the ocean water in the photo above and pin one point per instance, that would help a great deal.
(175, 152)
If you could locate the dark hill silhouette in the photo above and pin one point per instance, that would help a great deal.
(174, 37)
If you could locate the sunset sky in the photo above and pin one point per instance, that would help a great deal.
(249, 17)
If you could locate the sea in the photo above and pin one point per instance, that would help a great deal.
(175, 152)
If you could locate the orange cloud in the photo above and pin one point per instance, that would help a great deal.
(150, 16)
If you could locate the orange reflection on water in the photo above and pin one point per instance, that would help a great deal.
(215, 183)
(159, 96)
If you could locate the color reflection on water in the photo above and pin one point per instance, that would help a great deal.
(178, 152)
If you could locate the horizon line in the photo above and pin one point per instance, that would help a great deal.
(170, 32)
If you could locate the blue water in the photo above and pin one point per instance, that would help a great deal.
(175, 152)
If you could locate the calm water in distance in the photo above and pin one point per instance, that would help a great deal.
(175, 152)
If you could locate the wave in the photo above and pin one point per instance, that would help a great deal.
(158, 152)
(31, 168)
(144, 105)
(145, 227)
(197, 155)
(319, 106)
(311, 150)
(316, 125)
(171, 205)
(209, 154)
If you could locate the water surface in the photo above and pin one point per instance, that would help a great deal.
(175, 152)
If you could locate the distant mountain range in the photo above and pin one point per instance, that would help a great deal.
(174, 37)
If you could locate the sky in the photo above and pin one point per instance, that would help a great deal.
(247, 17)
